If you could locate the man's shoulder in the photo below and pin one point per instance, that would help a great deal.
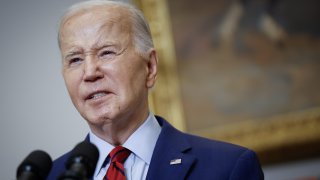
(201, 147)
(220, 160)
(199, 143)
(226, 158)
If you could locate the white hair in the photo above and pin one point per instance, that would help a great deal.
(142, 39)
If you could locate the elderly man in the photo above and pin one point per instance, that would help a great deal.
(109, 64)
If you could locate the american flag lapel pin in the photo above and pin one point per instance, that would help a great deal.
(175, 161)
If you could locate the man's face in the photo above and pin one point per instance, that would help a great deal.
(105, 77)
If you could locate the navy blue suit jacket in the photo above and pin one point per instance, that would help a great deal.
(201, 159)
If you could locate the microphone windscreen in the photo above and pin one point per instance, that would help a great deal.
(37, 162)
(88, 153)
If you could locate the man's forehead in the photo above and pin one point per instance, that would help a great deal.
(94, 27)
(99, 19)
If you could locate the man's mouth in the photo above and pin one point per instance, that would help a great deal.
(96, 95)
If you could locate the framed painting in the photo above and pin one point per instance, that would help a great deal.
(245, 72)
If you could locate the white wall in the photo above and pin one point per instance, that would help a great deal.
(300, 170)
(35, 109)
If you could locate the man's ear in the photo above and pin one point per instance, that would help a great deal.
(152, 68)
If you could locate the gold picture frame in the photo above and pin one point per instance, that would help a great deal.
(275, 139)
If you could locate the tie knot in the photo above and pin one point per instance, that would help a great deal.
(119, 154)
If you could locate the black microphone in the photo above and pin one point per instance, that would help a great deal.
(81, 163)
(36, 166)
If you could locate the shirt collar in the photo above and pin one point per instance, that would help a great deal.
(141, 143)
(143, 140)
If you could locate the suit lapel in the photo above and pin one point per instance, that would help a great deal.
(170, 159)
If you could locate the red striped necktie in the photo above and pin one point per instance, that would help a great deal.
(117, 158)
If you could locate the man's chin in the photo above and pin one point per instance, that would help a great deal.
(98, 120)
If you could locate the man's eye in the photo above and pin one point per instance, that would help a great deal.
(75, 60)
(107, 53)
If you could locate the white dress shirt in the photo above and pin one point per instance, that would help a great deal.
(141, 144)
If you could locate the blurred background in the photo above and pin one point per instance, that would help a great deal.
(249, 74)
(245, 72)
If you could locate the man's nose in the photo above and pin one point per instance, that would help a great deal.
(92, 70)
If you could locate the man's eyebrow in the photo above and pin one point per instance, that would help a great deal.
(72, 53)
